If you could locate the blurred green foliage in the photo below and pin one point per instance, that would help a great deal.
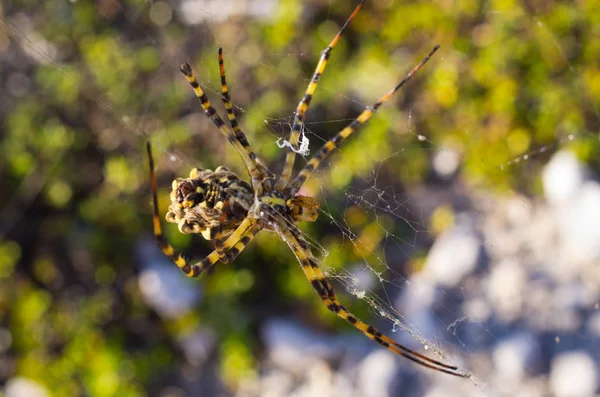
(85, 84)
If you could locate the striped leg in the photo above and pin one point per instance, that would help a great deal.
(230, 249)
(220, 237)
(239, 134)
(298, 124)
(239, 141)
(320, 283)
(362, 118)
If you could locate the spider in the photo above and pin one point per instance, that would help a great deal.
(226, 209)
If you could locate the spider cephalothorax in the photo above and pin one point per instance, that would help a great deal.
(221, 207)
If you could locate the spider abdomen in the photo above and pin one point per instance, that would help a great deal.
(209, 198)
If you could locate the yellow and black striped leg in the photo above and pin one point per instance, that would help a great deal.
(239, 142)
(298, 124)
(219, 234)
(362, 118)
(239, 134)
(230, 249)
(320, 283)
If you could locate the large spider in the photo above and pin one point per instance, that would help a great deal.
(222, 207)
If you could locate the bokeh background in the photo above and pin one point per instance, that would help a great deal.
(467, 209)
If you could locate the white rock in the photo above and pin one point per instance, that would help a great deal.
(562, 177)
(24, 387)
(293, 347)
(513, 356)
(533, 387)
(167, 292)
(446, 162)
(443, 391)
(417, 295)
(579, 223)
(454, 255)
(275, 383)
(573, 374)
(376, 374)
(319, 380)
(163, 286)
(505, 287)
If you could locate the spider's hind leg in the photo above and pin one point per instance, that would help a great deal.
(341, 136)
(219, 233)
(304, 103)
(325, 291)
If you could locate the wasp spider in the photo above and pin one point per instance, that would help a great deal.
(222, 207)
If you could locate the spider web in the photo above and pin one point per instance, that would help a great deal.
(382, 207)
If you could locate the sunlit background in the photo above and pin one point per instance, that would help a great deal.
(463, 219)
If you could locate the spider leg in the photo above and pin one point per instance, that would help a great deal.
(239, 134)
(299, 116)
(325, 291)
(239, 141)
(362, 118)
(229, 250)
(220, 236)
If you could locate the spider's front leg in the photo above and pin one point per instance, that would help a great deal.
(304, 103)
(221, 237)
(267, 175)
(341, 136)
(320, 283)
(237, 139)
